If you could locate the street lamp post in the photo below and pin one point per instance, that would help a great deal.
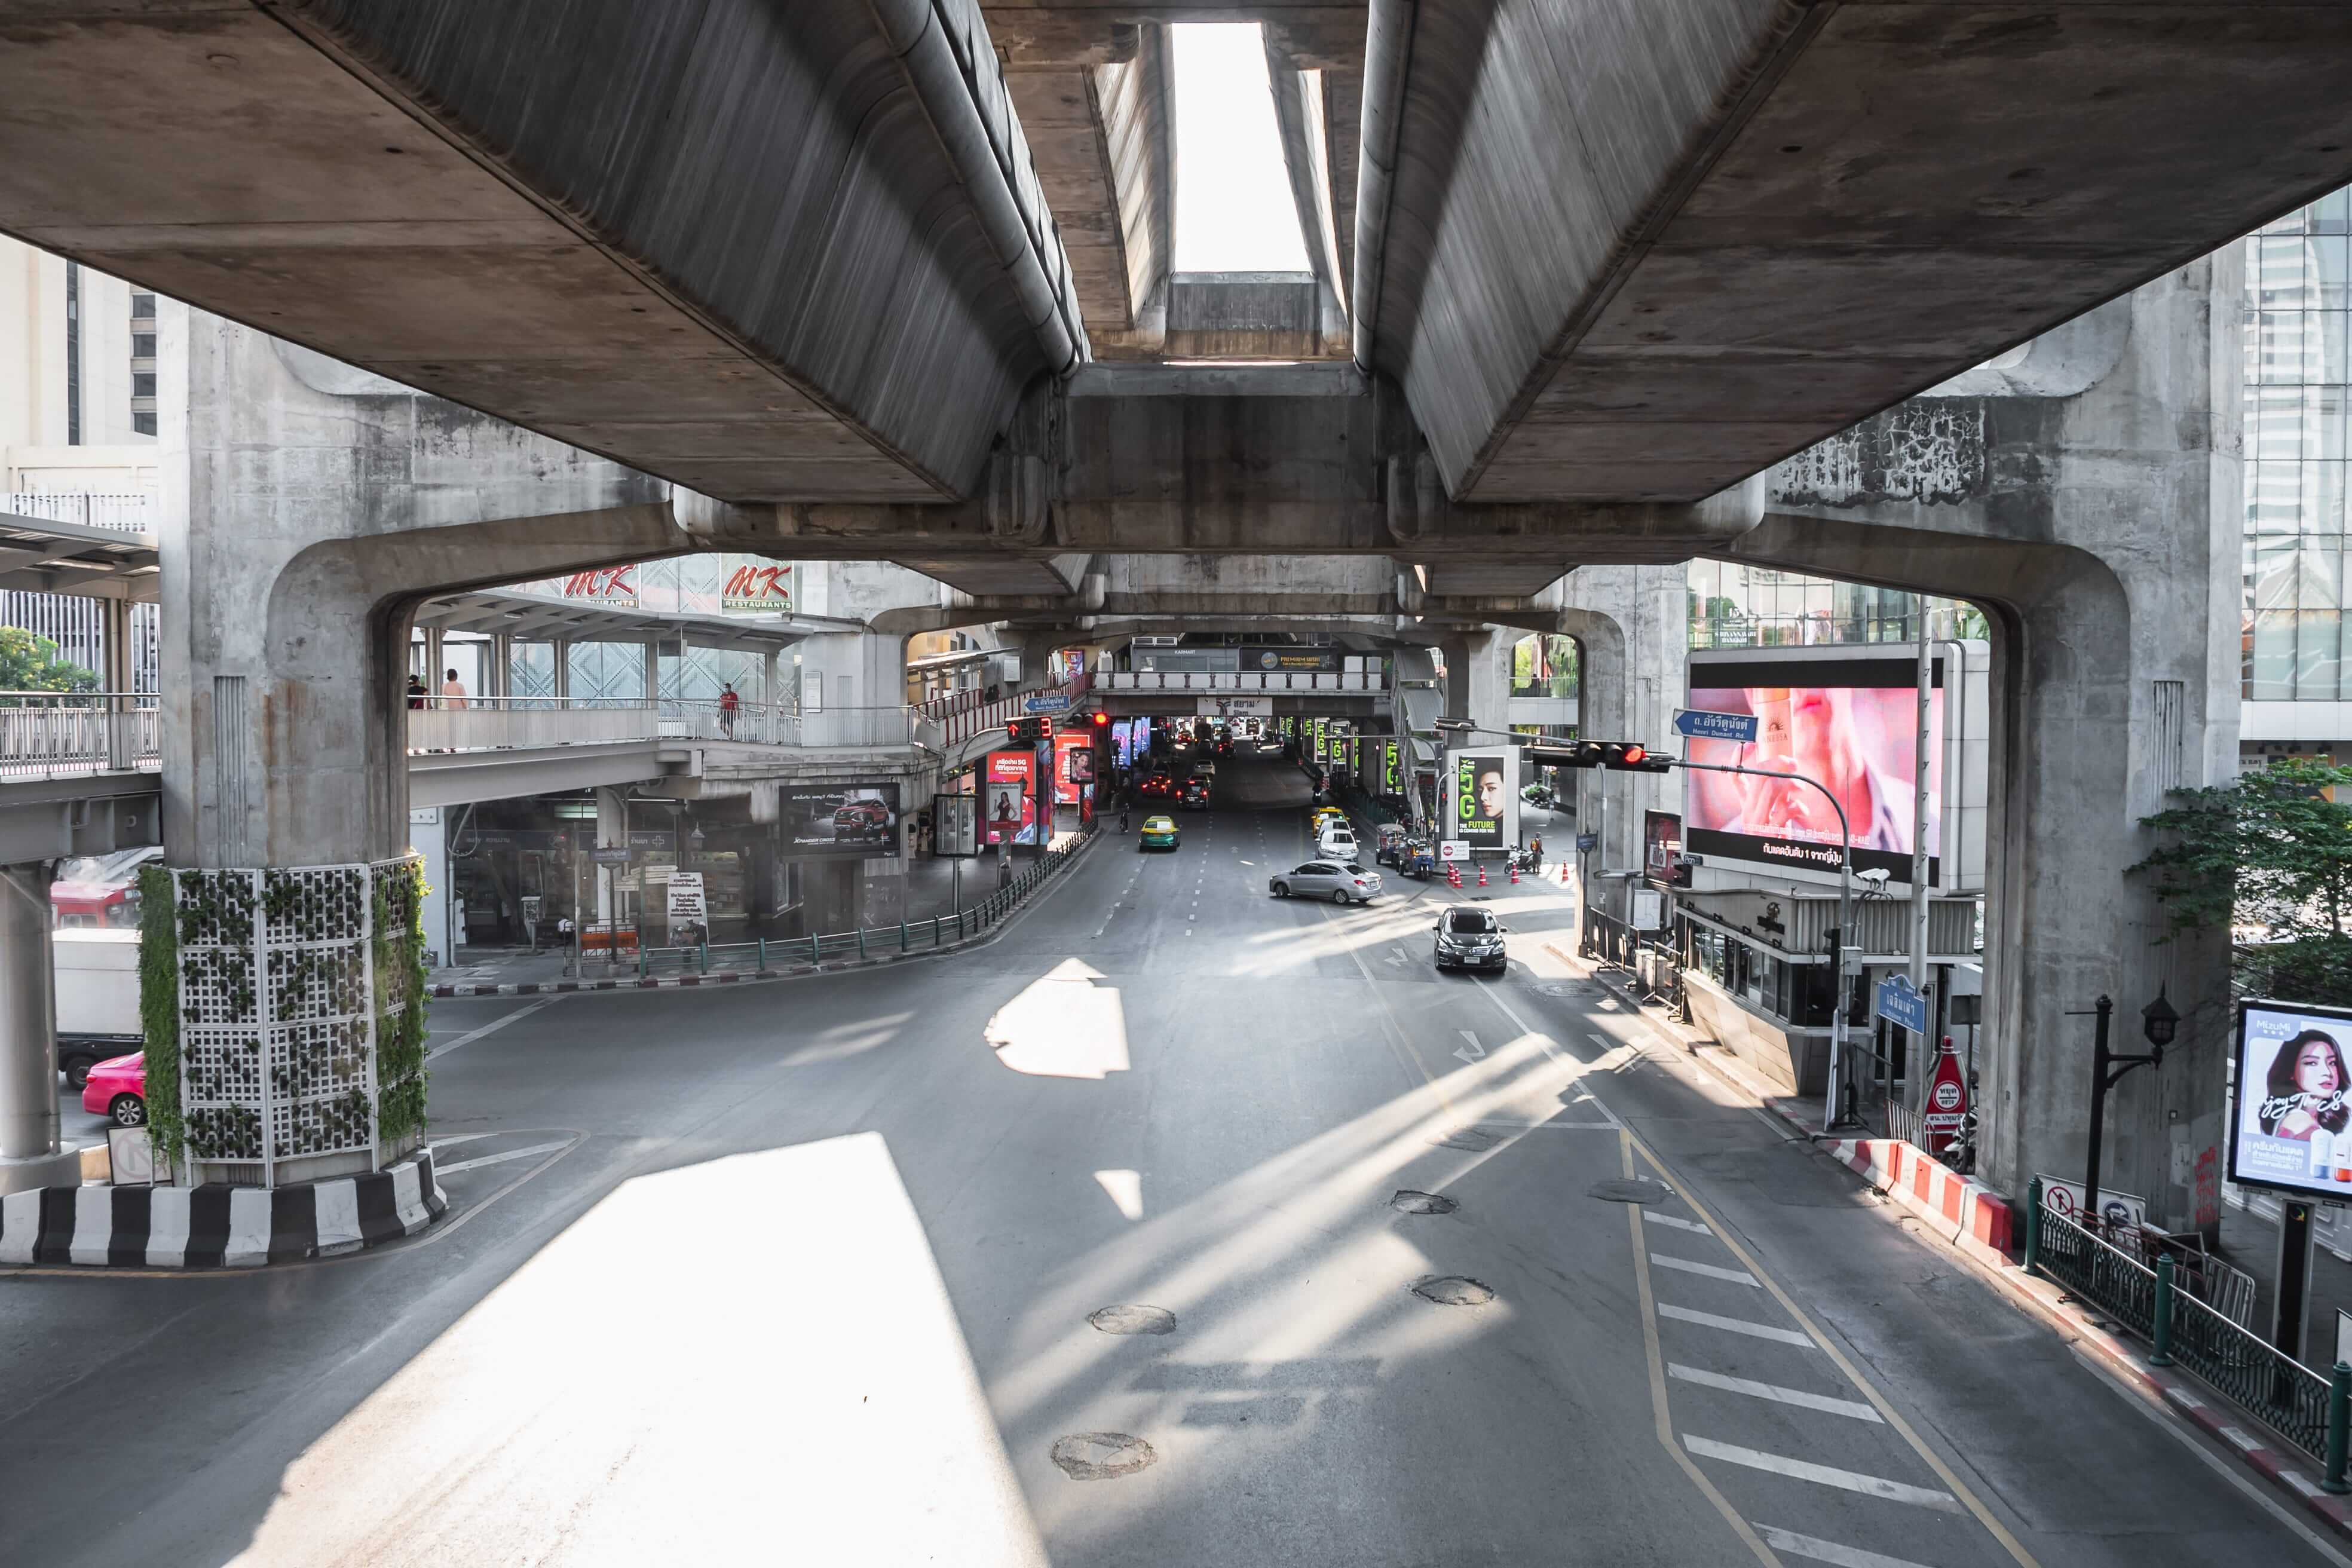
(2158, 1023)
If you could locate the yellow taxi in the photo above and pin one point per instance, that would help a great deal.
(1158, 832)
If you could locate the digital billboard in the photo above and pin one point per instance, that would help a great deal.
(1850, 723)
(955, 825)
(1010, 793)
(1483, 797)
(840, 819)
(2293, 1128)
(1662, 849)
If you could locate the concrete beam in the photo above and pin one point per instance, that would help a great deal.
(1761, 222)
(514, 208)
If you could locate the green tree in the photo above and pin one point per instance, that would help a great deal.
(2269, 859)
(29, 663)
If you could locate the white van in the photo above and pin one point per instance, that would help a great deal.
(98, 997)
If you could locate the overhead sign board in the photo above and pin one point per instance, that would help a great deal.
(1898, 1004)
(611, 855)
(1046, 702)
(1236, 706)
(1704, 726)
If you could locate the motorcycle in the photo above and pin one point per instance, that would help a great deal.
(1539, 795)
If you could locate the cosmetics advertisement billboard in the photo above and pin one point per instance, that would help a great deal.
(1009, 795)
(2292, 1131)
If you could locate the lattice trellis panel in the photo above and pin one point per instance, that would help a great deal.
(277, 1010)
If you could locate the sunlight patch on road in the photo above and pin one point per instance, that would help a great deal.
(1126, 1190)
(792, 1366)
(1062, 1025)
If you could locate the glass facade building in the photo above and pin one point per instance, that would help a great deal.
(1736, 605)
(2297, 644)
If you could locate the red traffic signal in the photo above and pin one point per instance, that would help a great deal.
(1101, 718)
(1619, 756)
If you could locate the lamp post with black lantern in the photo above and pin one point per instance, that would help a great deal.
(2159, 1021)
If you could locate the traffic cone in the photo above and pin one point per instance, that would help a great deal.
(1482, 873)
(1454, 872)
(1515, 873)
(1564, 873)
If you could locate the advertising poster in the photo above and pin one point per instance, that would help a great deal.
(1009, 798)
(955, 825)
(1070, 745)
(686, 896)
(1393, 778)
(2292, 1129)
(1849, 722)
(1662, 849)
(1483, 798)
(840, 819)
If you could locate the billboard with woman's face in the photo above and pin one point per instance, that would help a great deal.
(2293, 1127)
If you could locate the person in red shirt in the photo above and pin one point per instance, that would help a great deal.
(728, 703)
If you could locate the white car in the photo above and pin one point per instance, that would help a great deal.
(1338, 843)
(1326, 879)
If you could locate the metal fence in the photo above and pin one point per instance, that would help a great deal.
(49, 734)
(1654, 966)
(871, 941)
(2307, 1409)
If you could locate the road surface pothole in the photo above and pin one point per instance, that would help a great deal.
(1101, 1456)
(1453, 1290)
(1631, 1190)
(1407, 1201)
(1133, 1319)
(1470, 1140)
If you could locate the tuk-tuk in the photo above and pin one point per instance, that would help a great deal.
(1417, 859)
(1388, 846)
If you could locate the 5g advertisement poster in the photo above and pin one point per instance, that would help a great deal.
(1483, 797)
(2291, 1129)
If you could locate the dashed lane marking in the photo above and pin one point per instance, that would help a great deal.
(1822, 1474)
(1706, 1270)
(1734, 1325)
(1826, 1403)
(468, 1038)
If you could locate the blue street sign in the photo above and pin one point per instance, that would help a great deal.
(1898, 1004)
(1700, 726)
(1046, 702)
(1586, 843)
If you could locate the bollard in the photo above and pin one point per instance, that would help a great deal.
(935, 930)
(816, 948)
(764, 955)
(2340, 1418)
(861, 941)
(2032, 1224)
(706, 957)
(2162, 1354)
(902, 936)
(641, 960)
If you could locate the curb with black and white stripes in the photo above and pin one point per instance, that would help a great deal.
(219, 1226)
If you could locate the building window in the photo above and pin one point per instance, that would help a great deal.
(142, 307)
(143, 383)
(143, 345)
(2297, 371)
(143, 423)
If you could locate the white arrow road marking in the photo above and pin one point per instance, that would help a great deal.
(1473, 1051)
(501, 1159)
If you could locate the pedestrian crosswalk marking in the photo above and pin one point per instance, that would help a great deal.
(1706, 1270)
(1829, 1551)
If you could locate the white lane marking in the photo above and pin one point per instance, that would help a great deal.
(1672, 1223)
(439, 1143)
(441, 1169)
(1829, 1551)
(1821, 1475)
(470, 1037)
(1473, 1051)
(1549, 1126)
(1708, 1270)
(2214, 1462)
(1774, 1392)
(1734, 1325)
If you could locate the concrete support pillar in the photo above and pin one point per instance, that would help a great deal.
(562, 658)
(28, 1056)
(612, 829)
(121, 737)
(653, 670)
(498, 670)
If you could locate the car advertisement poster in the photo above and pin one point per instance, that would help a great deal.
(1849, 722)
(1483, 798)
(840, 819)
(2293, 1128)
(1009, 798)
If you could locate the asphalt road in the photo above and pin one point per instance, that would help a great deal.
(816, 1272)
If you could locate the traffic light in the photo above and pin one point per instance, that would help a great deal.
(1031, 730)
(1618, 756)
(1101, 719)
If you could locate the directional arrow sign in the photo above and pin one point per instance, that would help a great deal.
(1046, 702)
(1704, 726)
(1474, 1051)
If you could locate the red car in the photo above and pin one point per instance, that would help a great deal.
(117, 1090)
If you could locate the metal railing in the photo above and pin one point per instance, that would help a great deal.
(507, 724)
(60, 734)
(873, 942)
(2309, 1410)
(1656, 969)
